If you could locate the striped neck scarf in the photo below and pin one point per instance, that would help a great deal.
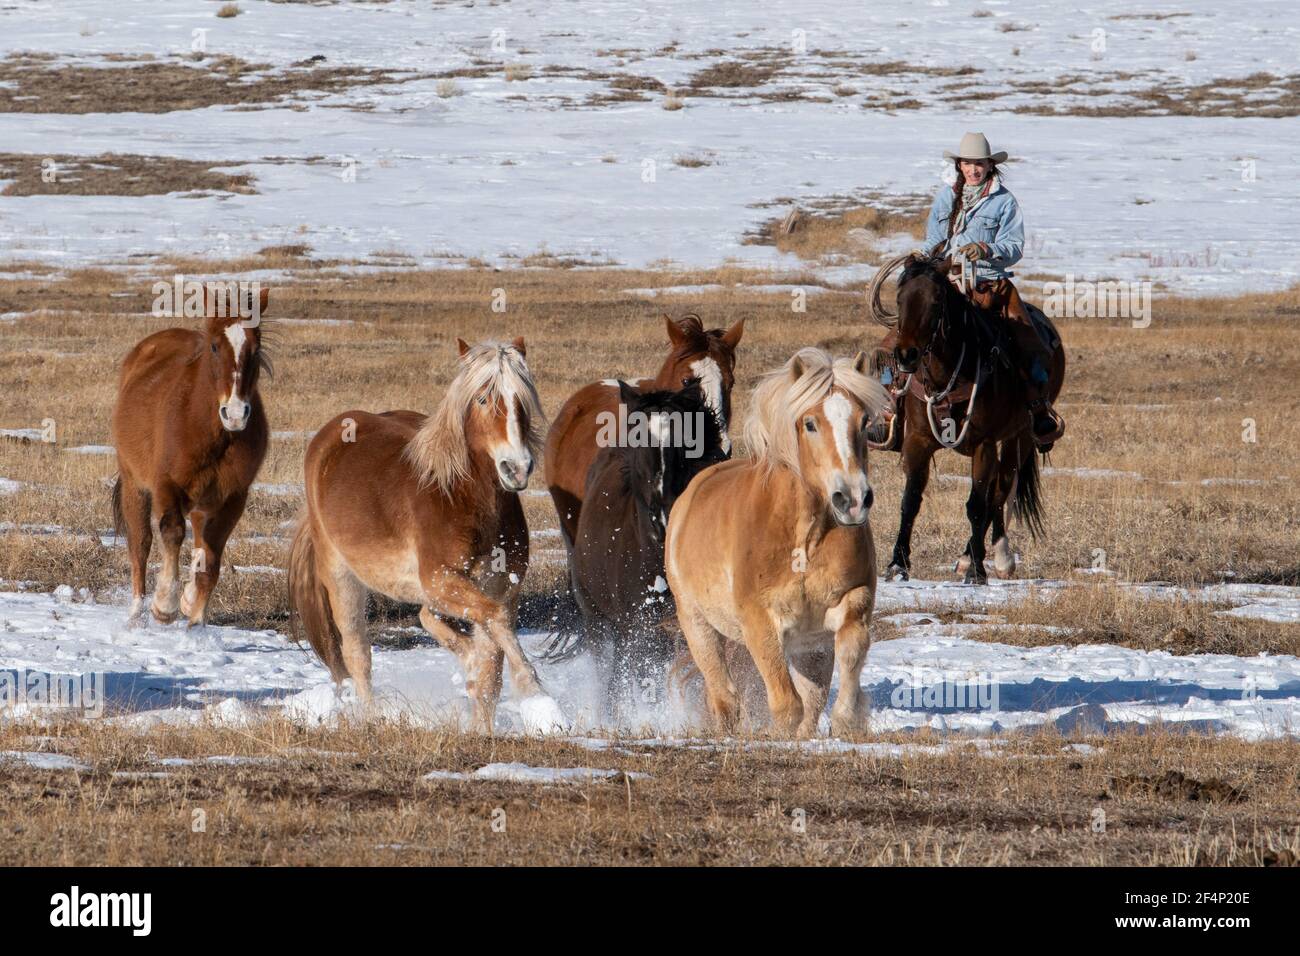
(970, 195)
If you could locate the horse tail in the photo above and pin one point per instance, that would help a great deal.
(119, 519)
(120, 526)
(1027, 498)
(309, 603)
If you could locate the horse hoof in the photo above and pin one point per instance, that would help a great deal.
(1004, 559)
(162, 617)
(973, 578)
(962, 566)
(896, 573)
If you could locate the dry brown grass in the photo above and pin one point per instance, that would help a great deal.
(41, 83)
(839, 230)
(355, 796)
(1110, 614)
(115, 174)
(1203, 366)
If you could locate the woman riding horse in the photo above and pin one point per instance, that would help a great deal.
(977, 218)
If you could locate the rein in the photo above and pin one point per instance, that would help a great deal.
(924, 385)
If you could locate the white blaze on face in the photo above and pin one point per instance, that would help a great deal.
(514, 453)
(837, 410)
(662, 427)
(236, 407)
(850, 478)
(710, 376)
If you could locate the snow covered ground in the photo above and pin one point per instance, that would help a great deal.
(508, 168)
(932, 676)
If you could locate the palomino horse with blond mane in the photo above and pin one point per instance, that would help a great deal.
(571, 446)
(190, 434)
(426, 510)
(776, 551)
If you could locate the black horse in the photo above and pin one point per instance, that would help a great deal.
(617, 560)
(964, 392)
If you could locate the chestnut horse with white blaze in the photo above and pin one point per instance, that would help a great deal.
(775, 551)
(695, 355)
(426, 510)
(190, 434)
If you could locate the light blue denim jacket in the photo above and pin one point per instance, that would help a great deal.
(995, 221)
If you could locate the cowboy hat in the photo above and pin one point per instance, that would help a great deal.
(975, 146)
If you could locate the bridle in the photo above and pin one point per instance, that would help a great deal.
(937, 328)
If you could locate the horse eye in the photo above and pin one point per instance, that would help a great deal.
(214, 348)
(482, 399)
(809, 425)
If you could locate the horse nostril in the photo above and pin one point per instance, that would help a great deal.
(870, 498)
(839, 500)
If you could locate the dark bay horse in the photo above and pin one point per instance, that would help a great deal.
(190, 434)
(694, 353)
(617, 560)
(426, 511)
(965, 394)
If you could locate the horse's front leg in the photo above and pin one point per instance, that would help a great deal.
(1004, 558)
(211, 532)
(983, 473)
(453, 594)
(917, 452)
(852, 641)
(169, 524)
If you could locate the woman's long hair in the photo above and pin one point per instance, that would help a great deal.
(959, 183)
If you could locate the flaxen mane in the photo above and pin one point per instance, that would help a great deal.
(785, 394)
(438, 452)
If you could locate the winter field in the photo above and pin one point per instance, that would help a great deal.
(392, 170)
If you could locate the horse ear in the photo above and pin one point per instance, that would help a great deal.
(796, 366)
(732, 336)
(861, 363)
(462, 348)
(626, 393)
(518, 343)
(944, 265)
(675, 334)
(263, 298)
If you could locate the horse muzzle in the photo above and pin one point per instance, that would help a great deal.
(851, 510)
(908, 359)
(514, 474)
(234, 415)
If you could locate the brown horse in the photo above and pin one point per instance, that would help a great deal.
(964, 394)
(426, 510)
(190, 434)
(617, 563)
(776, 551)
(571, 446)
